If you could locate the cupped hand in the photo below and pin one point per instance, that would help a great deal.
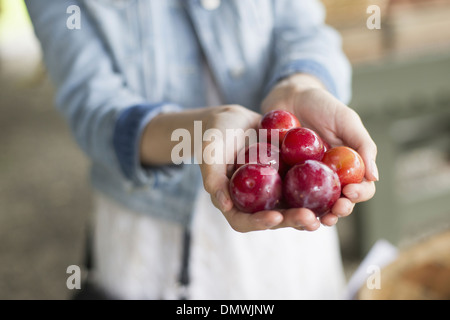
(337, 124)
(216, 172)
(224, 129)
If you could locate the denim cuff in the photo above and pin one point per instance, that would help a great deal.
(311, 67)
(127, 135)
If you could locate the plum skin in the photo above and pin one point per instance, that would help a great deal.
(261, 153)
(255, 187)
(313, 185)
(347, 163)
(301, 144)
(280, 120)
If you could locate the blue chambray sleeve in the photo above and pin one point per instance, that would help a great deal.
(304, 43)
(105, 116)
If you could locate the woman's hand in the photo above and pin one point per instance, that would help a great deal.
(336, 123)
(216, 157)
(216, 172)
(216, 175)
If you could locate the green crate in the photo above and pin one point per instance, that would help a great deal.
(405, 105)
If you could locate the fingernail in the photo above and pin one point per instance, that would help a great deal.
(375, 170)
(221, 199)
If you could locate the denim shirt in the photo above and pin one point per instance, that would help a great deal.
(132, 59)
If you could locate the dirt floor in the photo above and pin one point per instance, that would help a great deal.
(44, 192)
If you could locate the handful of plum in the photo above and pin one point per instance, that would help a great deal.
(304, 172)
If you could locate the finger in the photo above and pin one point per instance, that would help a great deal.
(246, 222)
(343, 207)
(359, 192)
(329, 219)
(368, 152)
(301, 218)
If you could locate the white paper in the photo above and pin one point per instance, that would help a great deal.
(381, 254)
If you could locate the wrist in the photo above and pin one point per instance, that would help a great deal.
(285, 92)
(157, 134)
(300, 82)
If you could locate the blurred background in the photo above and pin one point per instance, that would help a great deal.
(401, 89)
